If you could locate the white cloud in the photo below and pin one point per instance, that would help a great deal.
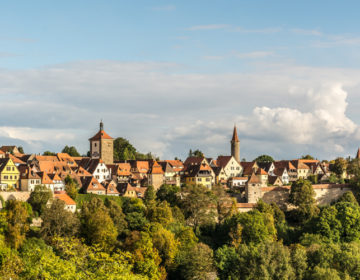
(162, 108)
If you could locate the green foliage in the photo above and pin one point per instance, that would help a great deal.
(307, 157)
(123, 150)
(82, 198)
(96, 224)
(39, 198)
(256, 227)
(17, 218)
(71, 151)
(199, 263)
(348, 197)
(117, 216)
(264, 158)
(149, 196)
(196, 153)
(169, 193)
(21, 149)
(339, 166)
(48, 153)
(198, 206)
(58, 222)
(71, 187)
(302, 195)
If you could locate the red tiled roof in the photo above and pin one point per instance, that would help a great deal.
(223, 160)
(101, 135)
(64, 197)
(261, 171)
(245, 205)
(254, 179)
(156, 168)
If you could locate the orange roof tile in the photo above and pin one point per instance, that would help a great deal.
(156, 168)
(235, 135)
(64, 197)
(101, 135)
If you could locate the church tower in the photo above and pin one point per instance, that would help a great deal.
(102, 146)
(235, 145)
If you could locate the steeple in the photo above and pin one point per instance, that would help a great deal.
(235, 136)
(235, 145)
(101, 125)
(358, 154)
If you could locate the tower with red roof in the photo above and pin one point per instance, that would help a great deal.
(235, 145)
(102, 146)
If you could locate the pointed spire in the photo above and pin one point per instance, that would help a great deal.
(235, 136)
(358, 154)
(101, 125)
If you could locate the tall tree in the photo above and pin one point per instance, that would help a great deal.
(17, 217)
(339, 166)
(302, 195)
(70, 151)
(71, 187)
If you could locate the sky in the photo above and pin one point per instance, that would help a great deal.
(170, 76)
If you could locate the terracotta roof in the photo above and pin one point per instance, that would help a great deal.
(111, 187)
(156, 169)
(299, 164)
(272, 179)
(284, 164)
(7, 149)
(276, 188)
(15, 159)
(235, 136)
(223, 160)
(245, 205)
(81, 172)
(166, 167)
(177, 165)
(330, 186)
(64, 197)
(279, 171)
(45, 179)
(54, 177)
(90, 164)
(27, 173)
(261, 171)
(91, 184)
(194, 161)
(254, 179)
(240, 178)
(101, 135)
(46, 158)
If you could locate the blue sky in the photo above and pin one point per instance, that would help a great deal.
(182, 73)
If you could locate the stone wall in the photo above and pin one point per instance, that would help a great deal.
(107, 150)
(22, 196)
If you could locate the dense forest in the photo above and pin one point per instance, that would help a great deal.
(180, 233)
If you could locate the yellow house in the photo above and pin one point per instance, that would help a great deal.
(9, 174)
(201, 174)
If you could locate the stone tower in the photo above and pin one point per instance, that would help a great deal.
(102, 146)
(253, 189)
(235, 145)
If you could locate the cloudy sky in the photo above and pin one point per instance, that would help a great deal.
(177, 75)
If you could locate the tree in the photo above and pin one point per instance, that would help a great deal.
(225, 205)
(149, 196)
(21, 149)
(348, 197)
(339, 166)
(169, 193)
(123, 150)
(39, 198)
(71, 187)
(264, 158)
(48, 153)
(17, 217)
(302, 195)
(160, 213)
(96, 224)
(117, 215)
(256, 227)
(71, 151)
(196, 153)
(307, 157)
(266, 260)
(199, 263)
(328, 225)
(198, 205)
(58, 222)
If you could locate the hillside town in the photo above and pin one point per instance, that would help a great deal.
(99, 174)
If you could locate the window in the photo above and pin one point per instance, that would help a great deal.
(95, 144)
(6, 177)
(8, 168)
(10, 177)
(13, 169)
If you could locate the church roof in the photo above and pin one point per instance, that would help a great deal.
(101, 135)
(358, 154)
(235, 136)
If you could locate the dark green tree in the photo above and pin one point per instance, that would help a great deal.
(307, 157)
(71, 151)
(39, 197)
(21, 149)
(264, 158)
(302, 195)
